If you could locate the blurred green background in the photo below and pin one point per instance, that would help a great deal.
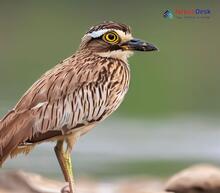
(168, 88)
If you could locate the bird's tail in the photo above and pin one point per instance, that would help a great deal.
(15, 128)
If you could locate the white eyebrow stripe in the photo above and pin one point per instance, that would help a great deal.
(98, 33)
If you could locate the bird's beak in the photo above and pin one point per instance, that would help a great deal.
(138, 45)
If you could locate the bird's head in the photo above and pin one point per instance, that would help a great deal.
(110, 39)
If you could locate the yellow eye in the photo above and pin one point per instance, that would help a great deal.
(111, 37)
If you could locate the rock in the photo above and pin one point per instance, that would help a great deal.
(21, 182)
(197, 179)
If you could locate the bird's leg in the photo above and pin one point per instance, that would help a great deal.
(69, 169)
(64, 158)
(60, 157)
(70, 140)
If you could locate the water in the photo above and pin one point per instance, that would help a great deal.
(122, 146)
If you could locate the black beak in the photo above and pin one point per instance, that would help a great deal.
(138, 45)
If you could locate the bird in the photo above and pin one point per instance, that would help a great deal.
(74, 96)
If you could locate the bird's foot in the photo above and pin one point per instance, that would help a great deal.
(66, 189)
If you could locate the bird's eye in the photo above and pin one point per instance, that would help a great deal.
(111, 37)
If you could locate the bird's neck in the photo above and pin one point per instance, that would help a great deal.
(115, 54)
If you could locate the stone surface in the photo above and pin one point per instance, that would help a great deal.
(197, 179)
(21, 182)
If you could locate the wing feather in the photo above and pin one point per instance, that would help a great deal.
(61, 99)
(63, 79)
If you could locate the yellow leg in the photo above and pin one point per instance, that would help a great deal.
(64, 159)
(69, 171)
(60, 157)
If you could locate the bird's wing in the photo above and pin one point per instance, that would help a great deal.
(52, 88)
(57, 82)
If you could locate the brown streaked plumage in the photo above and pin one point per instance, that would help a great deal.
(70, 99)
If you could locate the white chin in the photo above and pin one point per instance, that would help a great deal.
(118, 54)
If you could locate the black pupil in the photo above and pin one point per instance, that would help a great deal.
(111, 36)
